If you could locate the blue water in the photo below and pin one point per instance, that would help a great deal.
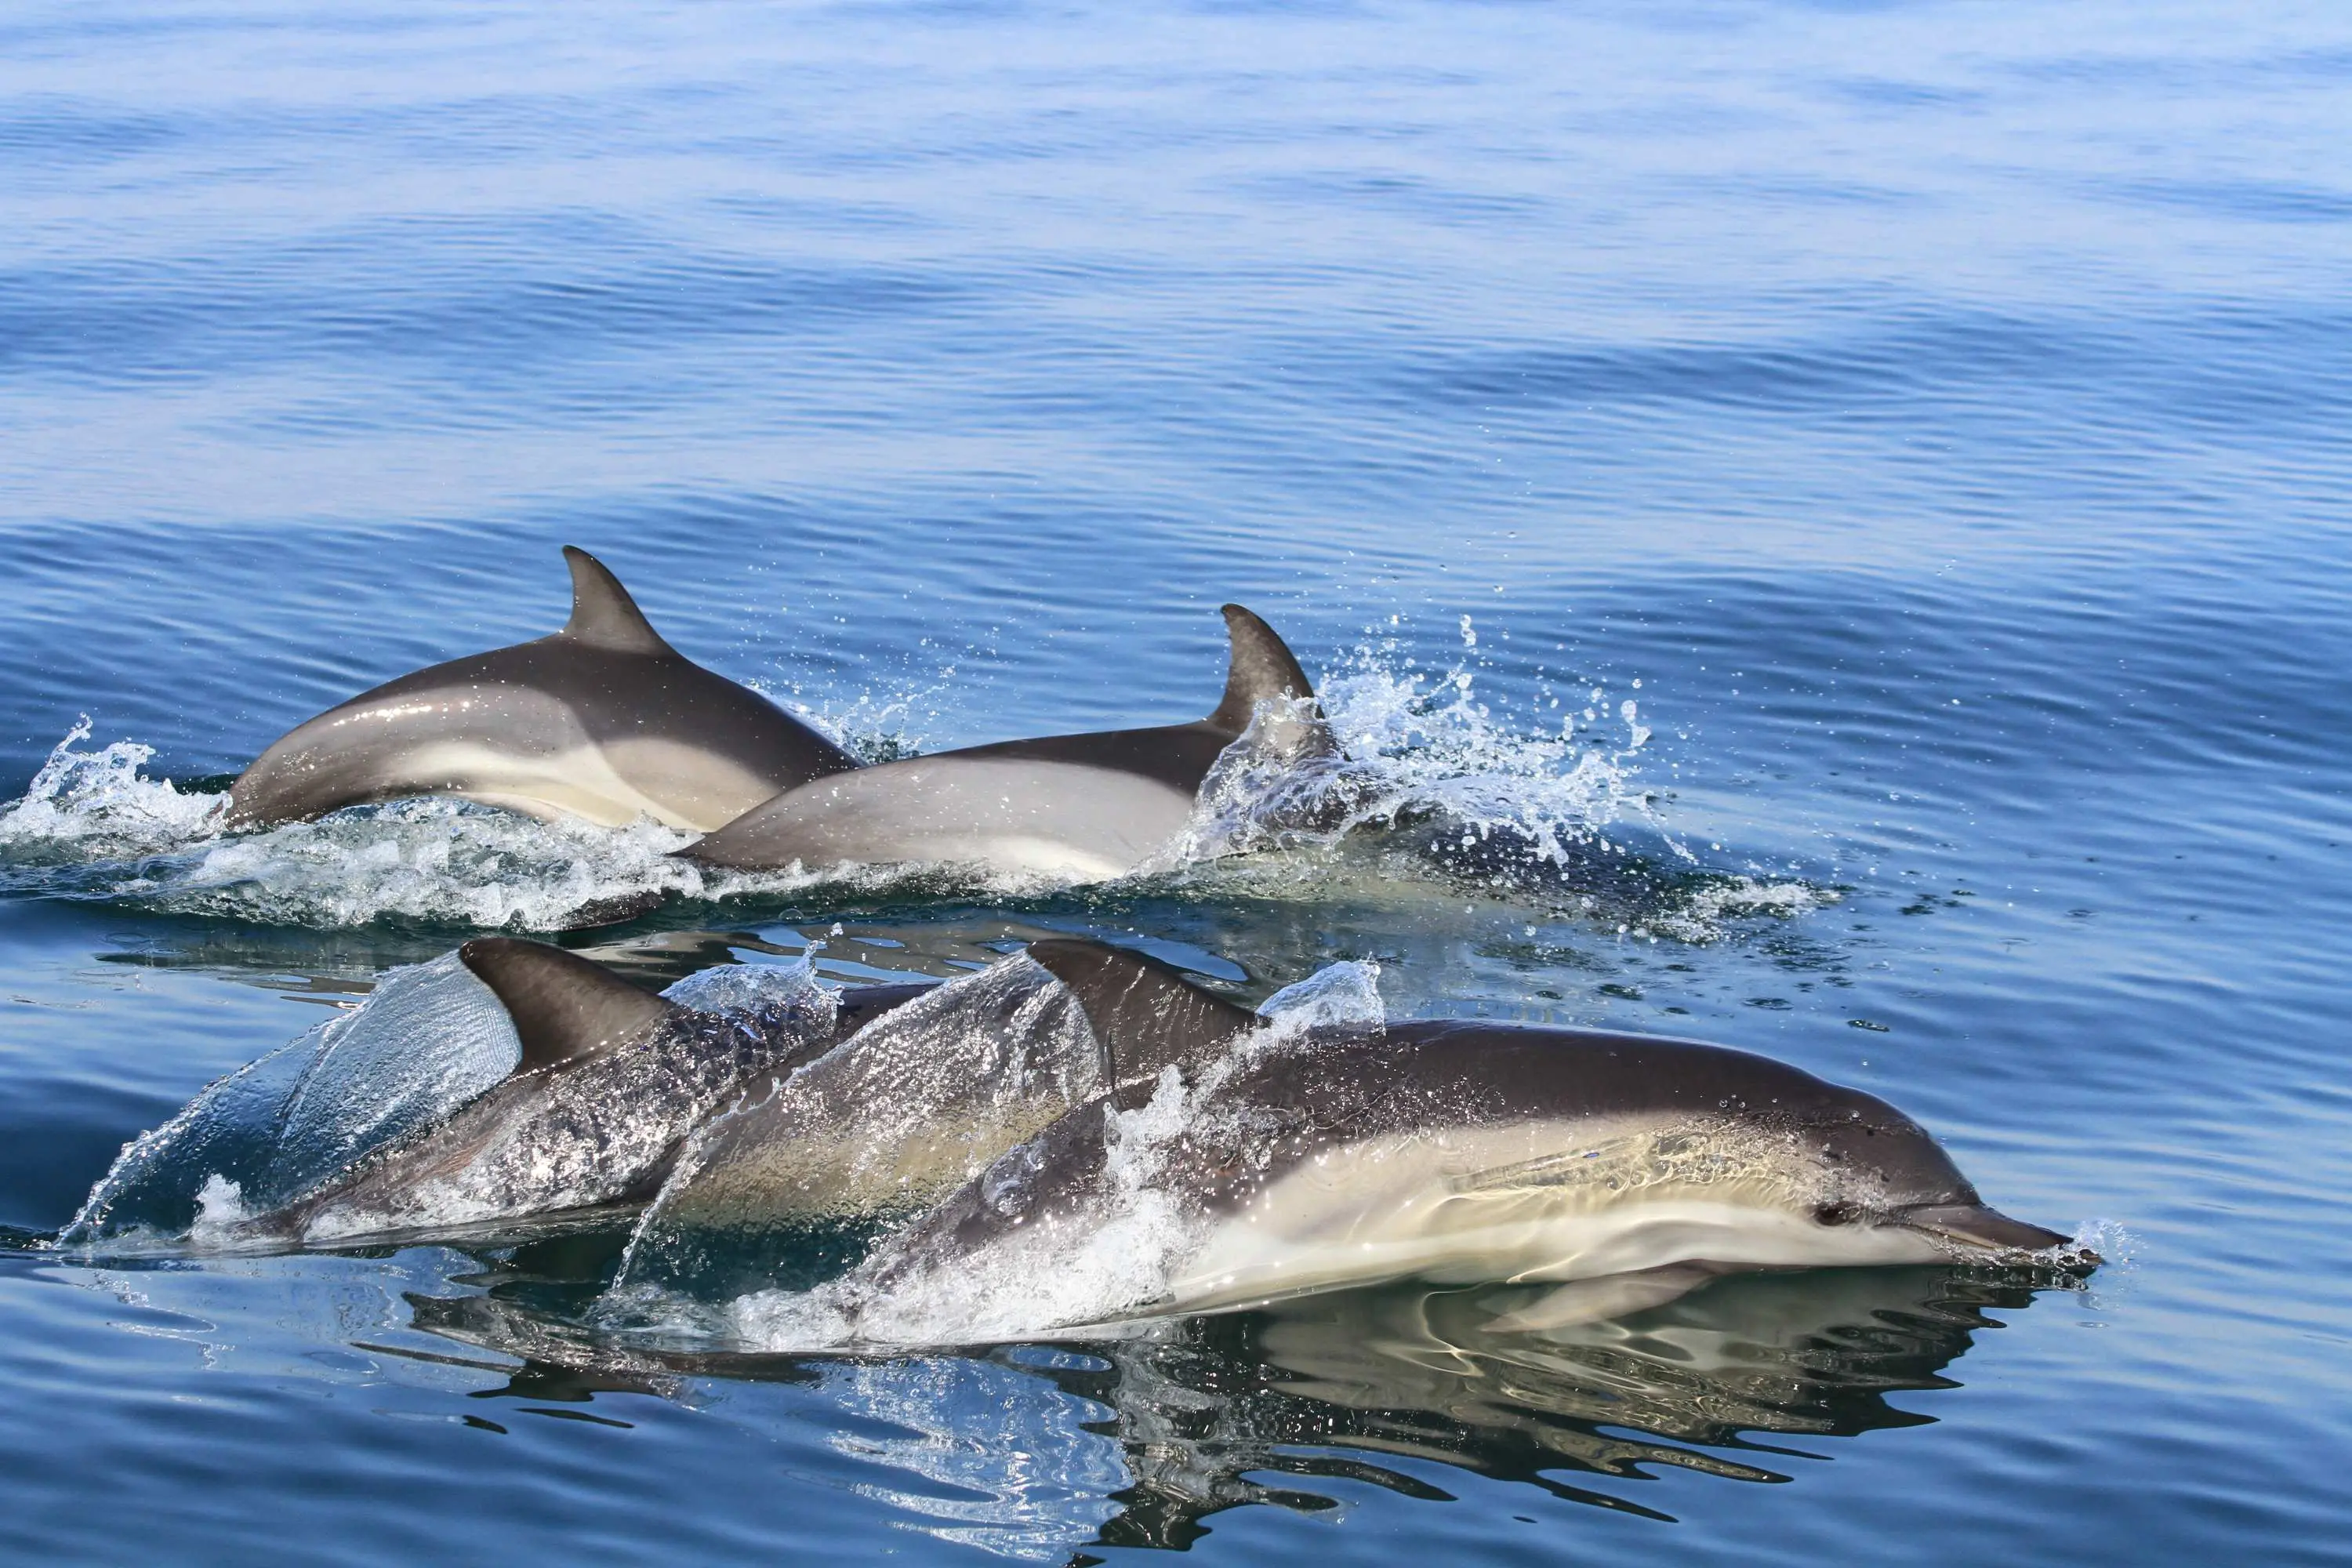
(1931, 416)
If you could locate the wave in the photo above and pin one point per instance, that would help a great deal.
(1436, 783)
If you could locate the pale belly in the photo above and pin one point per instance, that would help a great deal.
(535, 759)
(1422, 1207)
(582, 782)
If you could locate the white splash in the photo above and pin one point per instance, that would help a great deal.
(220, 1209)
(93, 825)
(1337, 995)
(1417, 744)
(1701, 914)
(1531, 784)
(101, 803)
(1026, 1285)
(908, 1109)
(754, 988)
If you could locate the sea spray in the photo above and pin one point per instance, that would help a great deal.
(1540, 805)
(83, 804)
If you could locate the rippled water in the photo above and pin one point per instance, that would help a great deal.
(1930, 417)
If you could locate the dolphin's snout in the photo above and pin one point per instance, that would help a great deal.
(1976, 1226)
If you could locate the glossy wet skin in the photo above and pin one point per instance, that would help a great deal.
(1348, 1087)
(1466, 1152)
(612, 1081)
(1074, 808)
(602, 720)
(1067, 816)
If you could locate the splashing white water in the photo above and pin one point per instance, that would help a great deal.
(1338, 995)
(220, 1209)
(423, 859)
(91, 824)
(1420, 744)
(754, 988)
(99, 803)
(908, 1109)
(1415, 746)
(1026, 1283)
(1703, 912)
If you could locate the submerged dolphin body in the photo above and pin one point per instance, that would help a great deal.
(1447, 1152)
(603, 719)
(611, 1080)
(888, 1122)
(1072, 807)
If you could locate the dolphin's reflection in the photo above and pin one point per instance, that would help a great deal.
(344, 965)
(1213, 1413)
(1426, 1375)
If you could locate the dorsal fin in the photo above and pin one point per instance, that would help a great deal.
(603, 614)
(564, 1007)
(1263, 669)
(1145, 1014)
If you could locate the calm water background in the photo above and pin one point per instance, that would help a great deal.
(1940, 409)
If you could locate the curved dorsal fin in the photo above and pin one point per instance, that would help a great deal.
(1145, 1014)
(564, 1007)
(1264, 670)
(603, 614)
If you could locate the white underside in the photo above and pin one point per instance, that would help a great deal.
(611, 786)
(1493, 1205)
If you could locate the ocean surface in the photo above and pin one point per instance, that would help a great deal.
(1843, 506)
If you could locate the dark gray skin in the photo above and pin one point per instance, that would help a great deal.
(1454, 1114)
(1070, 808)
(602, 720)
(610, 1081)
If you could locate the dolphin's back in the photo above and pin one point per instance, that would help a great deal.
(1455, 1090)
(1177, 755)
(1477, 1072)
(1350, 1087)
(1077, 807)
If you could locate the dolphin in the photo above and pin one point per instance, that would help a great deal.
(603, 719)
(887, 1122)
(612, 1078)
(1271, 1163)
(1073, 809)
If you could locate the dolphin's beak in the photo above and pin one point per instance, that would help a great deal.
(1973, 1224)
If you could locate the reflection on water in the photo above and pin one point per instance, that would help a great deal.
(343, 966)
(1135, 1441)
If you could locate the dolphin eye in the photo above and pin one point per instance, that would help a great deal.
(1835, 1214)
